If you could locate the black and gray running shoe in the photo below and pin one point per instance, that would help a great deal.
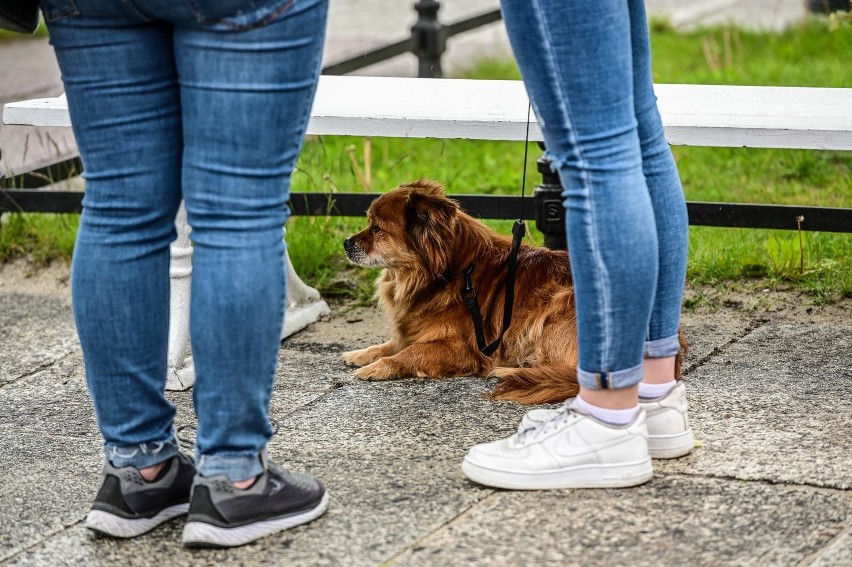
(127, 505)
(221, 515)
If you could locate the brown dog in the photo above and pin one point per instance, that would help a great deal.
(424, 242)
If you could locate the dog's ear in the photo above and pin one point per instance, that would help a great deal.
(430, 223)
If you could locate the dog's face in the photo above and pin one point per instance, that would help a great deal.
(410, 227)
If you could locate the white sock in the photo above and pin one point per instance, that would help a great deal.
(613, 416)
(653, 391)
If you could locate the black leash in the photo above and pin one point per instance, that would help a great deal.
(519, 229)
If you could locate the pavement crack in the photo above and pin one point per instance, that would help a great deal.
(38, 369)
(23, 550)
(753, 326)
(836, 541)
(411, 548)
(766, 481)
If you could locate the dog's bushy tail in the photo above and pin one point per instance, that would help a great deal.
(550, 384)
(536, 385)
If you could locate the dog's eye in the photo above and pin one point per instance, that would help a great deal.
(375, 229)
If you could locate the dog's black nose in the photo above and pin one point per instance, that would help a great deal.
(347, 243)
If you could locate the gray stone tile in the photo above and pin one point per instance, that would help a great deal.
(389, 454)
(838, 553)
(775, 406)
(706, 335)
(673, 520)
(36, 330)
(49, 433)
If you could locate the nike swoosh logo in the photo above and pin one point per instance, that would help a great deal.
(568, 449)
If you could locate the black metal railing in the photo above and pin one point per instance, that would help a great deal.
(428, 41)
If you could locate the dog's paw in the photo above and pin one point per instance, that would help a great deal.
(360, 357)
(379, 370)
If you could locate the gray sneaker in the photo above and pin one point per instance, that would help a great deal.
(221, 515)
(127, 505)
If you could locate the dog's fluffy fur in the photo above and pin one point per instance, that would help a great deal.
(424, 242)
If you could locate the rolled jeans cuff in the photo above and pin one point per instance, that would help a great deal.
(662, 348)
(235, 466)
(141, 455)
(610, 380)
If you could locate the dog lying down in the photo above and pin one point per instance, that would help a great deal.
(425, 242)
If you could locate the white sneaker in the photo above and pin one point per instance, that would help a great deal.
(669, 434)
(572, 450)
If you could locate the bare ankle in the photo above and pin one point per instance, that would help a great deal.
(659, 370)
(150, 473)
(243, 484)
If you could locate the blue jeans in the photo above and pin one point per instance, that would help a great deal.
(587, 68)
(205, 100)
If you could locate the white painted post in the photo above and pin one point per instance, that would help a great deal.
(304, 306)
(181, 373)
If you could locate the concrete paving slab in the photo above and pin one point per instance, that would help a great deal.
(673, 520)
(389, 454)
(48, 429)
(706, 335)
(49, 436)
(34, 331)
(775, 406)
(838, 553)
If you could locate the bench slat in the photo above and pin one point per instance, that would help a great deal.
(698, 115)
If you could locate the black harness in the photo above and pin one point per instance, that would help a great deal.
(469, 294)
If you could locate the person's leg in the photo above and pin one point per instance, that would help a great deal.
(246, 92)
(669, 207)
(246, 99)
(124, 103)
(576, 61)
(575, 58)
(663, 400)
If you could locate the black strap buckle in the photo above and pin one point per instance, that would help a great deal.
(468, 293)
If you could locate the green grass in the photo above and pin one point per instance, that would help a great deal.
(41, 31)
(43, 238)
(809, 55)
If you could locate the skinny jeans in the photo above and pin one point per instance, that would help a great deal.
(206, 101)
(587, 69)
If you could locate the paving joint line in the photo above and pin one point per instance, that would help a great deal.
(42, 540)
(754, 325)
(765, 481)
(819, 553)
(409, 549)
(44, 366)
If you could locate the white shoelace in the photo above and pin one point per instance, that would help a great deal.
(528, 435)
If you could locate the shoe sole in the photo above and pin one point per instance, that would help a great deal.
(116, 526)
(671, 446)
(201, 534)
(591, 476)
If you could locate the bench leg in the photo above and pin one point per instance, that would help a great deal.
(181, 373)
(304, 306)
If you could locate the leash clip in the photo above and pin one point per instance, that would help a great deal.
(468, 293)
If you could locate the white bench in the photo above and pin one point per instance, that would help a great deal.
(695, 115)
(699, 115)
